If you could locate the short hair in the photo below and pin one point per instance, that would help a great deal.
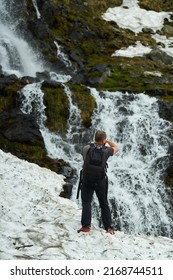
(100, 135)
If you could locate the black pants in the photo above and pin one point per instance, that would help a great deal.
(87, 192)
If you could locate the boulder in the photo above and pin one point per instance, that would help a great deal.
(158, 55)
(21, 128)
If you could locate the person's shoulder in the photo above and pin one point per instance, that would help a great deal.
(86, 147)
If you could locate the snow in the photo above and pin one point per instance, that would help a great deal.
(131, 51)
(130, 16)
(38, 224)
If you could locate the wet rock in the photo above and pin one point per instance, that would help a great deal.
(43, 76)
(166, 111)
(21, 128)
(38, 28)
(67, 190)
(169, 170)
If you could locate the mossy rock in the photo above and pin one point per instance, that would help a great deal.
(9, 95)
(156, 5)
(32, 153)
(85, 101)
(57, 108)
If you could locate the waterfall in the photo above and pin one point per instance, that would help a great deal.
(16, 56)
(36, 9)
(57, 147)
(62, 56)
(136, 189)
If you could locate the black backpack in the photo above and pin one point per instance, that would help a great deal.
(95, 165)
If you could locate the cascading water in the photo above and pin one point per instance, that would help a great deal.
(36, 8)
(57, 147)
(62, 56)
(136, 190)
(14, 50)
(138, 196)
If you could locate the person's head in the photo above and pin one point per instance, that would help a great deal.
(100, 136)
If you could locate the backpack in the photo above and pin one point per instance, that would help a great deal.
(95, 163)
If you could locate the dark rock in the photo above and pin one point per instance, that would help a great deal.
(166, 111)
(67, 190)
(168, 178)
(158, 55)
(38, 28)
(8, 80)
(21, 128)
(77, 59)
(28, 80)
(156, 91)
(1, 72)
(43, 76)
(48, 12)
(78, 77)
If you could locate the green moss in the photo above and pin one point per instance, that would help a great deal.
(85, 102)
(57, 108)
(82, 30)
(13, 88)
(122, 77)
(5, 103)
(34, 154)
(31, 153)
(157, 5)
(8, 96)
(54, 59)
(167, 98)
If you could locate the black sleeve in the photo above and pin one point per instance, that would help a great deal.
(110, 151)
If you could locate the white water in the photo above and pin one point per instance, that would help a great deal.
(36, 9)
(16, 56)
(135, 186)
(62, 55)
(57, 147)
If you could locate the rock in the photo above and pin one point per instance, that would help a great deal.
(77, 59)
(1, 72)
(8, 80)
(166, 111)
(43, 76)
(38, 28)
(167, 29)
(21, 128)
(168, 177)
(158, 55)
(67, 190)
(48, 12)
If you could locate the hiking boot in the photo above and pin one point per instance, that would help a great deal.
(84, 229)
(110, 231)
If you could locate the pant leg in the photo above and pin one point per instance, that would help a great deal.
(101, 192)
(87, 191)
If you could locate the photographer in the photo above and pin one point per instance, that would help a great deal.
(95, 180)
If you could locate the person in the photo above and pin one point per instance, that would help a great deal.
(99, 186)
